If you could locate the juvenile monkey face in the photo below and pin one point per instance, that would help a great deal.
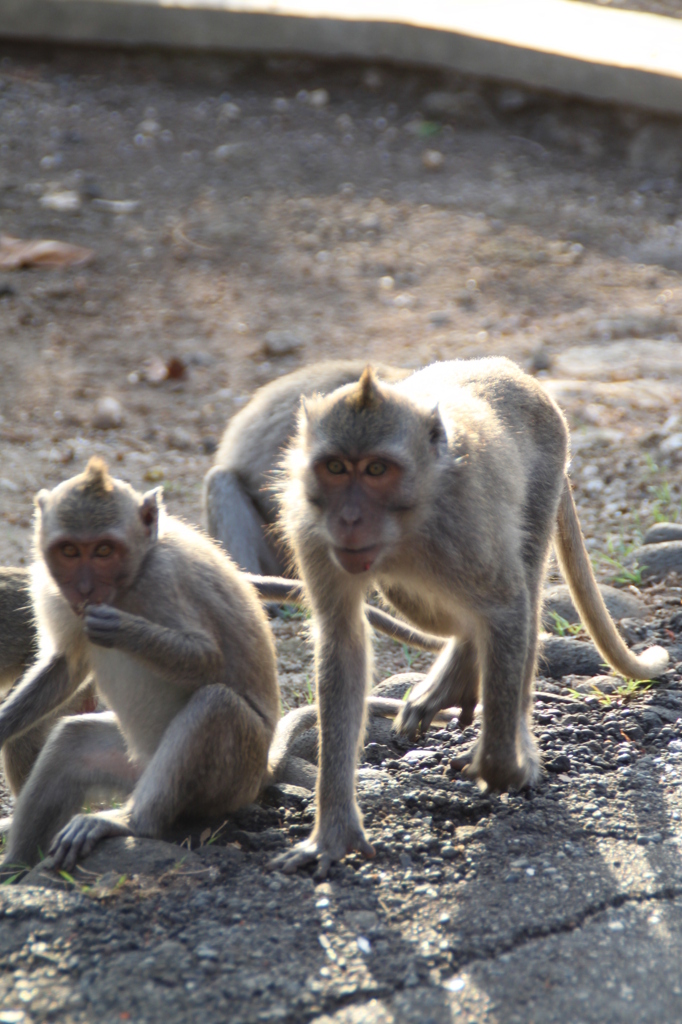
(357, 496)
(88, 570)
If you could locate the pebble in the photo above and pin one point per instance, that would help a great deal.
(108, 413)
(180, 439)
(61, 202)
(432, 159)
(281, 343)
(119, 207)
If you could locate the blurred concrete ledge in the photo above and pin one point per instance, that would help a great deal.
(561, 45)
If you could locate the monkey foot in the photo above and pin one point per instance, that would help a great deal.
(79, 838)
(324, 853)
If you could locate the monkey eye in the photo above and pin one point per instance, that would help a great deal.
(376, 468)
(103, 551)
(69, 550)
(336, 467)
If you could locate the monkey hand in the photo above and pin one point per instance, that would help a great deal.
(102, 624)
(79, 838)
(325, 845)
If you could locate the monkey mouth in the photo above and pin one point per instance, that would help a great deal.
(357, 560)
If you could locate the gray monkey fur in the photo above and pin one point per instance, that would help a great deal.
(463, 546)
(185, 660)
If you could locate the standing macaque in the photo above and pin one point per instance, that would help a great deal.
(444, 491)
(239, 505)
(180, 650)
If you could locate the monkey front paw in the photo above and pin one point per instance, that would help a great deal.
(324, 851)
(102, 623)
(79, 838)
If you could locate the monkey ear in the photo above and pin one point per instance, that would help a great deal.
(151, 504)
(40, 500)
(437, 434)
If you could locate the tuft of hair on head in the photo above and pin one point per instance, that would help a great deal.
(96, 479)
(367, 394)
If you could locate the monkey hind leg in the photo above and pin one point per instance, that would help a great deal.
(212, 760)
(452, 682)
(82, 755)
(233, 519)
(20, 753)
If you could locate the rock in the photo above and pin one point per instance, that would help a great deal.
(108, 413)
(657, 148)
(432, 159)
(560, 764)
(61, 202)
(467, 108)
(560, 656)
(180, 439)
(657, 560)
(662, 532)
(620, 604)
(397, 686)
(123, 856)
(281, 343)
(621, 360)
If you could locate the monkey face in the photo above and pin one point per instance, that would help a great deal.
(88, 570)
(357, 496)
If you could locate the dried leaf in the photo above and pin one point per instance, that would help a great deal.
(16, 253)
(206, 834)
(175, 369)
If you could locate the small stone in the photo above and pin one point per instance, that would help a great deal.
(467, 108)
(281, 343)
(230, 111)
(231, 151)
(318, 98)
(432, 159)
(180, 439)
(120, 207)
(108, 413)
(61, 202)
(440, 318)
(560, 764)
(664, 531)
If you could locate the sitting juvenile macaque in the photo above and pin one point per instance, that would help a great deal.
(444, 491)
(180, 650)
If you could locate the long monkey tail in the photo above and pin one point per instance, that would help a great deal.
(577, 569)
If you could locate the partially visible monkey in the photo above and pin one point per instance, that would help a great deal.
(18, 649)
(180, 649)
(445, 491)
(238, 502)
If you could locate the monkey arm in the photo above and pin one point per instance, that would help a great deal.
(45, 686)
(275, 588)
(183, 654)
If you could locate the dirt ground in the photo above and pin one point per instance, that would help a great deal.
(247, 216)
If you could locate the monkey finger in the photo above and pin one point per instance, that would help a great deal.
(323, 866)
(288, 862)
